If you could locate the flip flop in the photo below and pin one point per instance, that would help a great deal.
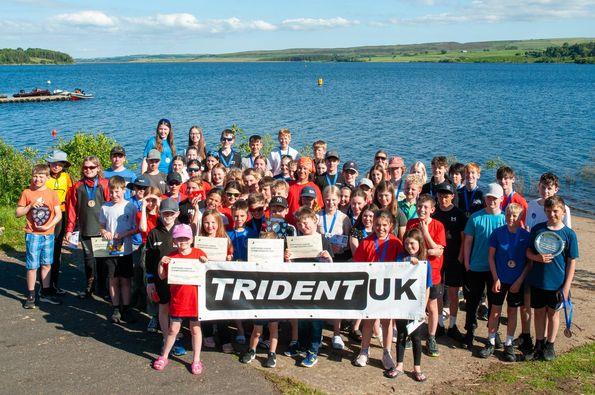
(393, 373)
(160, 363)
(419, 377)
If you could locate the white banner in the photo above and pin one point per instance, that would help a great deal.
(346, 290)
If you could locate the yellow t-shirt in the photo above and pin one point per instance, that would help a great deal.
(61, 185)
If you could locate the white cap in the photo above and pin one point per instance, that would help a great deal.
(495, 190)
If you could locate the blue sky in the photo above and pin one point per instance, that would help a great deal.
(109, 27)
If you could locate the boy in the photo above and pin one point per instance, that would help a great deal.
(413, 185)
(319, 150)
(277, 223)
(309, 331)
(153, 175)
(285, 172)
(456, 173)
(507, 256)
(264, 186)
(118, 157)
(549, 185)
(439, 169)
(332, 175)
(256, 206)
(478, 230)
(255, 144)
(471, 197)
(349, 175)
(506, 178)
(240, 234)
(250, 177)
(454, 222)
(280, 188)
(117, 223)
(276, 154)
(41, 206)
(435, 239)
(228, 157)
(551, 275)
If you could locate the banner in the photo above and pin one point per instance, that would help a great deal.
(346, 290)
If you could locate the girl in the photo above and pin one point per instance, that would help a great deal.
(397, 169)
(420, 169)
(377, 174)
(251, 177)
(415, 251)
(384, 198)
(192, 154)
(320, 165)
(163, 141)
(345, 200)
(178, 165)
(262, 164)
(218, 176)
(212, 226)
(184, 300)
(286, 173)
(381, 246)
(210, 162)
(357, 203)
(196, 140)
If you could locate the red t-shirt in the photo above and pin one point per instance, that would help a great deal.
(438, 234)
(366, 250)
(184, 298)
(516, 198)
(202, 193)
(226, 211)
(293, 198)
(151, 223)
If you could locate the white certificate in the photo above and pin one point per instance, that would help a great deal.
(214, 247)
(103, 248)
(265, 250)
(184, 271)
(304, 246)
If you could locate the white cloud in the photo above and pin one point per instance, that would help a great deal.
(189, 22)
(315, 24)
(87, 18)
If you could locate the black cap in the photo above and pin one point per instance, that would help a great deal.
(350, 165)
(118, 149)
(279, 201)
(174, 176)
(140, 182)
(445, 187)
(332, 154)
(169, 204)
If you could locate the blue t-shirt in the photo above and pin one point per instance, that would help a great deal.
(239, 240)
(510, 247)
(551, 276)
(126, 174)
(166, 155)
(481, 225)
(429, 284)
(137, 238)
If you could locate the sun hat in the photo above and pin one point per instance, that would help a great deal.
(58, 156)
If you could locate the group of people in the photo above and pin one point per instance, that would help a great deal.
(478, 240)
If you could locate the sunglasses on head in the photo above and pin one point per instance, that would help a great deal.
(89, 167)
(226, 138)
(214, 154)
(164, 121)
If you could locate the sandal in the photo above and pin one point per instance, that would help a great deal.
(160, 363)
(196, 367)
(393, 373)
(419, 376)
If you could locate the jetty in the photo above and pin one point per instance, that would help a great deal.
(35, 98)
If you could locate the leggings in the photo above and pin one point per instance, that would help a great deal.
(94, 269)
(402, 340)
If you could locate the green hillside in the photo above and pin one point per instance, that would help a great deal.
(33, 56)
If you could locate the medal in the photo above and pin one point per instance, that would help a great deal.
(512, 246)
(91, 192)
(511, 264)
(167, 160)
(328, 235)
(91, 203)
(328, 232)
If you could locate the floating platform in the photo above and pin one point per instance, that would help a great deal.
(35, 99)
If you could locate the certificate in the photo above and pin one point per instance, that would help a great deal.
(103, 248)
(214, 247)
(184, 271)
(305, 246)
(265, 250)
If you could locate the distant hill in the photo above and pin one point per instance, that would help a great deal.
(513, 51)
(33, 56)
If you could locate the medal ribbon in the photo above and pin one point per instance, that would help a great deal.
(226, 163)
(326, 230)
(91, 194)
(328, 179)
(513, 243)
(382, 256)
(467, 208)
(508, 200)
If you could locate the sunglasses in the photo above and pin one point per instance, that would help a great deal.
(193, 169)
(231, 194)
(380, 158)
(226, 138)
(172, 183)
(89, 167)
(117, 155)
(256, 209)
(153, 160)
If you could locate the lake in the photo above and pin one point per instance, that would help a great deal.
(536, 118)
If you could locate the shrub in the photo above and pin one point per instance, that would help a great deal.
(84, 144)
(243, 144)
(16, 168)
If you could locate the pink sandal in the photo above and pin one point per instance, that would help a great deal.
(196, 367)
(160, 363)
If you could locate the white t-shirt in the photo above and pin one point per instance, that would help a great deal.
(119, 218)
(536, 215)
(341, 227)
(276, 155)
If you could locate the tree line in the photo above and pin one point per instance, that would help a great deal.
(578, 53)
(33, 56)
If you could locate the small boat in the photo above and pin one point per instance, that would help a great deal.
(35, 92)
(3, 96)
(79, 94)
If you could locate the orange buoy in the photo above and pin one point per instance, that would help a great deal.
(54, 133)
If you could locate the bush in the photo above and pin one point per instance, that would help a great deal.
(243, 143)
(16, 168)
(85, 144)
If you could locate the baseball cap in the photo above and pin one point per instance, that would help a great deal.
(445, 187)
(332, 154)
(140, 182)
(154, 154)
(396, 161)
(350, 165)
(170, 205)
(278, 201)
(308, 191)
(117, 150)
(367, 182)
(174, 176)
(495, 190)
(182, 231)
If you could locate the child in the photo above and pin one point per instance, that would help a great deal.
(435, 241)
(174, 183)
(255, 144)
(41, 206)
(456, 173)
(397, 169)
(419, 169)
(471, 197)
(331, 176)
(155, 177)
(190, 212)
(117, 223)
(118, 158)
(218, 173)
(310, 331)
(163, 143)
(59, 181)
(384, 198)
(192, 154)
(319, 150)
(256, 206)
(415, 251)
(240, 234)
(196, 140)
(345, 199)
(280, 188)
(551, 276)
(184, 300)
(178, 165)
(349, 174)
(277, 223)
(356, 204)
(381, 246)
(506, 178)
(284, 137)
(261, 164)
(363, 226)
(308, 199)
(507, 256)
(302, 179)
(478, 230)
(377, 174)
(320, 166)
(210, 162)
(228, 157)
(285, 169)
(548, 186)
(367, 187)
(264, 185)
(439, 176)
(413, 185)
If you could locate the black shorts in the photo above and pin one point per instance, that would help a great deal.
(541, 298)
(264, 322)
(180, 319)
(120, 266)
(162, 291)
(454, 273)
(436, 291)
(512, 299)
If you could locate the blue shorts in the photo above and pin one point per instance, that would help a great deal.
(39, 250)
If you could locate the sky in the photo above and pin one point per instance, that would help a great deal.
(100, 28)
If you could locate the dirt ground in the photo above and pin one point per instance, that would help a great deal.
(62, 334)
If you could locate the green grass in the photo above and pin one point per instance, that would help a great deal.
(290, 386)
(13, 236)
(571, 372)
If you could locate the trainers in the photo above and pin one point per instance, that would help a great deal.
(468, 343)
(153, 325)
(509, 355)
(408, 344)
(338, 342)
(29, 303)
(248, 356)
(498, 342)
(86, 294)
(49, 298)
(455, 334)
(525, 343)
(432, 346)
(59, 291)
(293, 350)
(310, 360)
(387, 360)
(178, 349)
(487, 351)
(116, 317)
(209, 342)
(271, 361)
(128, 316)
(361, 360)
(548, 352)
(482, 313)
(440, 331)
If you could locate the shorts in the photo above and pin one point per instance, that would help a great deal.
(180, 319)
(541, 298)
(120, 266)
(264, 322)
(39, 250)
(454, 273)
(162, 291)
(512, 299)
(436, 291)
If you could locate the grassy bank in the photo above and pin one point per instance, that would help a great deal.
(13, 234)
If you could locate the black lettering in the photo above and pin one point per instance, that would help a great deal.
(401, 288)
(385, 289)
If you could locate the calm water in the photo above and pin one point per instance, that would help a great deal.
(535, 117)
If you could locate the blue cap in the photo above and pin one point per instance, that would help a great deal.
(308, 192)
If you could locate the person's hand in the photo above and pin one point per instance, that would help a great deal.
(151, 289)
(414, 260)
(545, 258)
(423, 225)
(287, 255)
(165, 261)
(324, 256)
(229, 257)
(336, 249)
(43, 228)
(38, 203)
(565, 292)
(496, 287)
(67, 236)
(203, 259)
(107, 235)
(196, 201)
(117, 236)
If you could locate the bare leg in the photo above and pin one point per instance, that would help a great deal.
(196, 339)
(553, 324)
(31, 279)
(164, 318)
(387, 333)
(172, 332)
(512, 318)
(294, 330)
(540, 323)
(114, 291)
(494, 318)
(45, 276)
(366, 333)
(273, 336)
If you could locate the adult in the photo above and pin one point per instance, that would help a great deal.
(196, 139)
(304, 168)
(163, 141)
(397, 169)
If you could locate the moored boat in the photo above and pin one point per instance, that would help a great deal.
(33, 93)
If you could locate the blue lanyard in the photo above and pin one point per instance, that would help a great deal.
(515, 242)
(251, 161)
(226, 163)
(364, 233)
(508, 200)
(328, 179)
(467, 208)
(91, 195)
(326, 231)
(384, 248)
(398, 191)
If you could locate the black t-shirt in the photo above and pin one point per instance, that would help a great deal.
(159, 244)
(187, 211)
(454, 221)
(470, 201)
(158, 181)
(432, 188)
(323, 182)
(234, 159)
